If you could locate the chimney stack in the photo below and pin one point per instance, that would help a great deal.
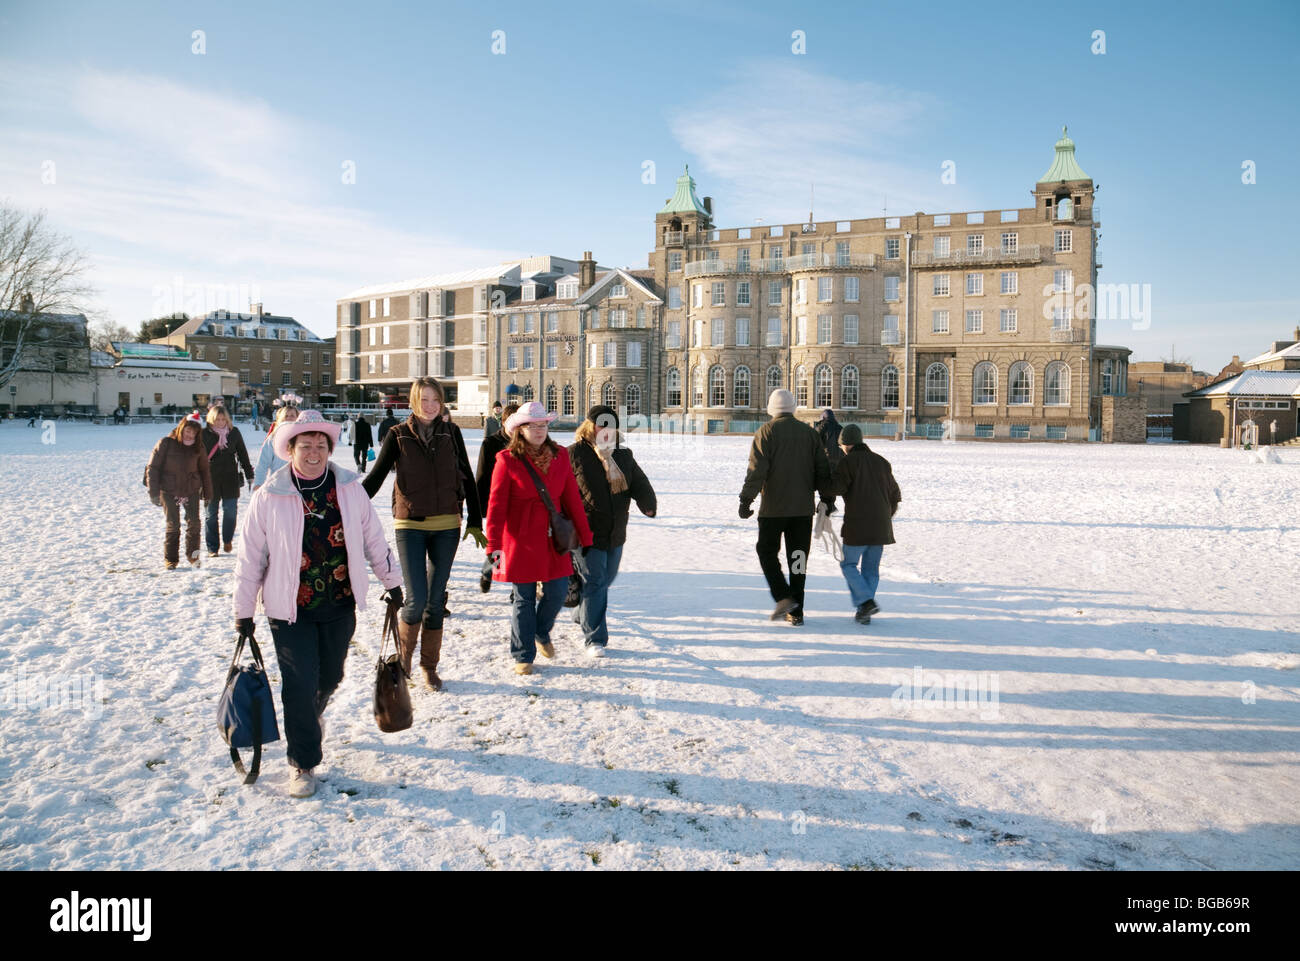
(27, 305)
(586, 272)
(256, 310)
(708, 205)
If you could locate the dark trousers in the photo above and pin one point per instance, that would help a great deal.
(172, 537)
(531, 620)
(597, 569)
(311, 656)
(229, 512)
(360, 454)
(797, 532)
(426, 558)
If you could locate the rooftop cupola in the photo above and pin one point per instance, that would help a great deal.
(1064, 167)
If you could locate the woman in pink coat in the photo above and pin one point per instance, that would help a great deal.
(309, 532)
(518, 530)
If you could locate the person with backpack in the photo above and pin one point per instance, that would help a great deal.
(519, 529)
(432, 485)
(177, 477)
(309, 534)
(609, 479)
(787, 463)
(227, 458)
(871, 497)
(492, 445)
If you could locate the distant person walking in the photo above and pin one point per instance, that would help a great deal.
(609, 479)
(519, 530)
(362, 441)
(267, 462)
(871, 498)
(387, 424)
(309, 534)
(227, 460)
(787, 462)
(178, 478)
(828, 429)
(432, 485)
(494, 420)
(492, 445)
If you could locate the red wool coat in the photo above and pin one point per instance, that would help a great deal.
(518, 522)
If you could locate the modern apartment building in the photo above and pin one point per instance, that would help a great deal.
(271, 353)
(972, 324)
(438, 326)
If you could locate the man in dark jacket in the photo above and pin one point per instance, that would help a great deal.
(362, 441)
(786, 463)
(828, 429)
(493, 444)
(494, 422)
(871, 499)
(385, 425)
(609, 479)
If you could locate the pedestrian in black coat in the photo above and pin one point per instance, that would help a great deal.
(229, 467)
(828, 429)
(386, 424)
(362, 441)
(492, 445)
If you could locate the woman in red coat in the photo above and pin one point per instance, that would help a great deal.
(518, 530)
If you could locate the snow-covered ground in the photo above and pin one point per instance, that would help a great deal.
(1127, 614)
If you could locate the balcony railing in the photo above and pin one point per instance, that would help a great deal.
(1026, 254)
(702, 268)
(673, 238)
(1068, 335)
(888, 338)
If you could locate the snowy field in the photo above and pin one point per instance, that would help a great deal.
(1114, 628)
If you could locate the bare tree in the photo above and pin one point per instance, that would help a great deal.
(103, 333)
(41, 273)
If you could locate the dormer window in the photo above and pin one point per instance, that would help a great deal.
(529, 292)
(618, 290)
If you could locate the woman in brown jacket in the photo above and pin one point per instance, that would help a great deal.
(178, 476)
(433, 482)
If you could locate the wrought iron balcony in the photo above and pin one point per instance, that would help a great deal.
(889, 338)
(1026, 254)
(1069, 335)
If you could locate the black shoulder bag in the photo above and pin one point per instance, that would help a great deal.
(564, 535)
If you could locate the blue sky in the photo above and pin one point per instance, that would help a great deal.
(223, 171)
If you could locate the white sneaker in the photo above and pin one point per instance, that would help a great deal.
(595, 650)
(302, 783)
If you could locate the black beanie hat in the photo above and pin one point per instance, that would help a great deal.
(603, 410)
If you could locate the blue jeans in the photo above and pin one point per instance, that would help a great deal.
(597, 570)
(311, 655)
(531, 620)
(230, 511)
(862, 583)
(423, 584)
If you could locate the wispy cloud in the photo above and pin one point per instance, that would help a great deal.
(772, 129)
(157, 179)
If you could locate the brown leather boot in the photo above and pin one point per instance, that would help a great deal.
(408, 635)
(430, 649)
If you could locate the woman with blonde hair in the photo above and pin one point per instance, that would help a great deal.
(519, 530)
(227, 458)
(267, 461)
(433, 483)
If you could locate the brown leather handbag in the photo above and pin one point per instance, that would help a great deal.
(392, 696)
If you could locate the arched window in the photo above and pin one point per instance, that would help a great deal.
(634, 398)
(1020, 384)
(822, 394)
(697, 386)
(717, 387)
(1056, 384)
(801, 386)
(611, 396)
(985, 384)
(849, 388)
(740, 382)
(674, 387)
(773, 381)
(528, 393)
(568, 401)
(552, 396)
(936, 385)
(889, 388)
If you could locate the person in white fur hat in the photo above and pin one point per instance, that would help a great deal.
(787, 462)
(308, 535)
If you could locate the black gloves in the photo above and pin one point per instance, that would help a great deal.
(829, 505)
(746, 511)
(244, 625)
(393, 596)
